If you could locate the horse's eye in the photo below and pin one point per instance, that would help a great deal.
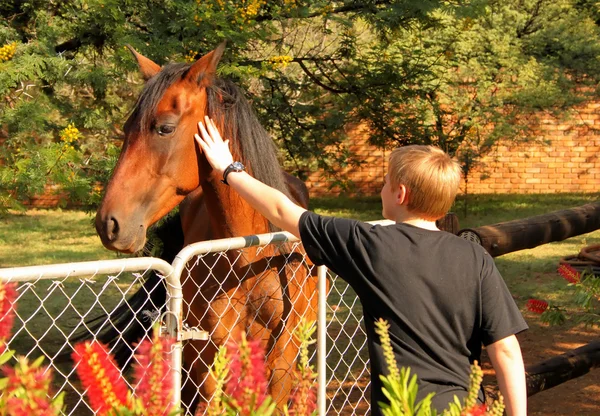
(165, 129)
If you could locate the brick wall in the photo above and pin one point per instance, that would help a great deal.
(366, 179)
(51, 198)
(564, 156)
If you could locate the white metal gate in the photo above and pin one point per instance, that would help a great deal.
(55, 300)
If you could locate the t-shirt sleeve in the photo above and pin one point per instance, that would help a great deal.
(330, 241)
(500, 315)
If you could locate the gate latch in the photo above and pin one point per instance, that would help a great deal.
(193, 334)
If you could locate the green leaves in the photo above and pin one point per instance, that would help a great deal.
(401, 389)
(461, 75)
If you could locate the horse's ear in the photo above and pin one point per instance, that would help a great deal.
(148, 68)
(207, 65)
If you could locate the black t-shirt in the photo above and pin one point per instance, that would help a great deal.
(441, 295)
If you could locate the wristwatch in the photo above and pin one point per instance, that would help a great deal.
(234, 167)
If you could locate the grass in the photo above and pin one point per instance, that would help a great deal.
(44, 237)
(49, 236)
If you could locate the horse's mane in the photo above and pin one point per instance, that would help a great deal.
(227, 105)
(239, 123)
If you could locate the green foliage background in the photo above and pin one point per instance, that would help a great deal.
(459, 74)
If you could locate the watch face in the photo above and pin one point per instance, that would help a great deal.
(238, 166)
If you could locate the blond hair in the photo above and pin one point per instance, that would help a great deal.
(431, 176)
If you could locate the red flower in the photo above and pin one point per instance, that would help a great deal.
(477, 410)
(537, 306)
(247, 381)
(37, 406)
(27, 388)
(304, 398)
(569, 273)
(100, 376)
(8, 296)
(153, 374)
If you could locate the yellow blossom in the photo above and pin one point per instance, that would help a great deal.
(8, 51)
(280, 61)
(191, 56)
(68, 136)
(327, 9)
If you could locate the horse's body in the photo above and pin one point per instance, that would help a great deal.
(263, 292)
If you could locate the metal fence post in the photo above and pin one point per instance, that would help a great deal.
(322, 341)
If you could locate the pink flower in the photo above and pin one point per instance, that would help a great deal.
(537, 306)
(154, 385)
(100, 375)
(569, 273)
(247, 383)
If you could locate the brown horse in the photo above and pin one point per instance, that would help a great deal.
(263, 292)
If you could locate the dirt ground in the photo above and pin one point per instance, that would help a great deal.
(577, 397)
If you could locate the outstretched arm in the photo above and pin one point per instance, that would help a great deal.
(270, 202)
(510, 371)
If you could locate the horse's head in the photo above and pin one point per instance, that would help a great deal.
(158, 165)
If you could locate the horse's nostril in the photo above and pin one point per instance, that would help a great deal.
(112, 229)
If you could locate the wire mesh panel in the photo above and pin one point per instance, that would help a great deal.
(58, 302)
(223, 296)
(262, 286)
(348, 375)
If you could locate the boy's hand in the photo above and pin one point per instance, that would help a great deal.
(215, 149)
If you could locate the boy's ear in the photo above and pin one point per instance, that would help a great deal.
(402, 195)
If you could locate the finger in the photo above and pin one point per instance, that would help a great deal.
(215, 128)
(203, 147)
(205, 136)
(202, 130)
(212, 129)
(198, 139)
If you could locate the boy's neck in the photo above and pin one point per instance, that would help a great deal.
(408, 218)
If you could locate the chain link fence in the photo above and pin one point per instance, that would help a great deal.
(262, 285)
(57, 302)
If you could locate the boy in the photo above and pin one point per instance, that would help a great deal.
(441, 295)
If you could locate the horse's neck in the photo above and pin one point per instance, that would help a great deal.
(194, 218)
(229, 214)
(216, 211)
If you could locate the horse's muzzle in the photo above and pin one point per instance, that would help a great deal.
(115, 236)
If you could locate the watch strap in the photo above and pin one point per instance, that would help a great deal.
(234, 167)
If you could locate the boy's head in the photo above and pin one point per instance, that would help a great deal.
(431, 178)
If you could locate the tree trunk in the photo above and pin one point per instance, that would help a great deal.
(506, 237)
(565, 367)
(554, 371)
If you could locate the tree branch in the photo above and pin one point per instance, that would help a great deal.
(318, 82)
(355, 7)
(528, 29)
